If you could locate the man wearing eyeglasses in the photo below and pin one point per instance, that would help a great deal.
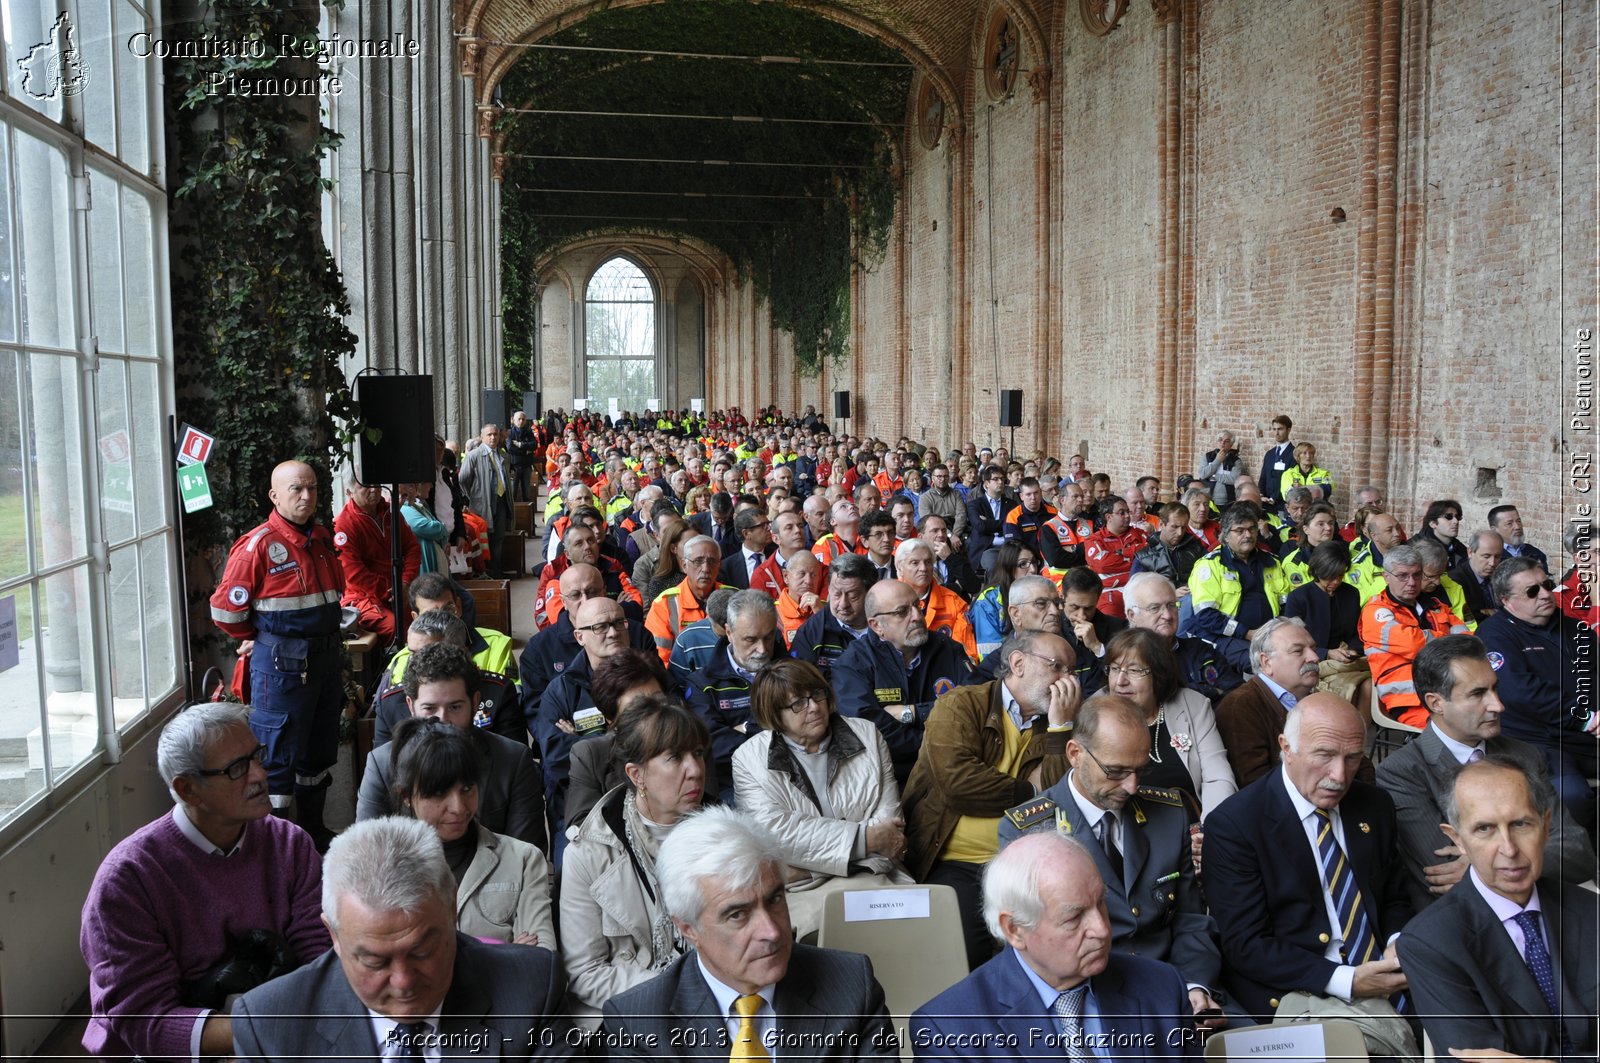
(1539, 655)
(986, 748)
(1139, 839)
(567, 709)
(168, 908)
(986, 517)
(1151, 602)
(1395, 625)
(893, 674)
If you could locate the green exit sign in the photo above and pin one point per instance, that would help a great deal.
(195, 487)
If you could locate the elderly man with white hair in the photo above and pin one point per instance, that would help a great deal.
(1151, 601)
(746, 990)
(401, 981)
(1057, 989)
(216, 890)
(944, 609)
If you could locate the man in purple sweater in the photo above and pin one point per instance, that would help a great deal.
(173, 901)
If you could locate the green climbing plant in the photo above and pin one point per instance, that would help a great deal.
(258, 303)
(797, 192)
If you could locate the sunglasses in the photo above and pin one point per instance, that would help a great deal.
(1533, 590)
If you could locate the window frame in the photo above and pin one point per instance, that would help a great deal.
(68, 136)
(656, 311)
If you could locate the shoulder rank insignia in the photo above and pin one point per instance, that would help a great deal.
(1031, 814)
(1160, 796)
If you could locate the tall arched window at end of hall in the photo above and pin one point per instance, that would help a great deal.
(619, 329)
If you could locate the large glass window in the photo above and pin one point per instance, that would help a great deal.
(619, 328)
(88, 549)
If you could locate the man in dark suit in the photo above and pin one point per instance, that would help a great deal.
(755, 539)
(442, 683)
(986, 518)
(1057, 989)
(400, 979)
(1457, 685)
(1506, 959)
(745, 988)
(1140, 843)
(1302, 876)
(1278, 459)
(1476, 574)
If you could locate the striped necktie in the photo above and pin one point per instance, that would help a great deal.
(1359, 942)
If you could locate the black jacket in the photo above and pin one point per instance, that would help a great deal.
(1172, 562)
(820, 640)
(872, 674)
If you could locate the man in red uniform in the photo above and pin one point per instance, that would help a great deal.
(280, 594)
(361, 533)
(1109, 551)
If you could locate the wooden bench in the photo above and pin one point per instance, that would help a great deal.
(514, 554)
(493, 599)
(524, 518)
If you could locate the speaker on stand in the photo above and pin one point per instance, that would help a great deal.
(398, 410)
(1011, 414)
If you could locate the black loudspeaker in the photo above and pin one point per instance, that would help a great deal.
(497, 407)
(841, 404)
(1011, 408)
(399, 410)
(538, 406)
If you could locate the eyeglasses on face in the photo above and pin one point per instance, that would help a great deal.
(237, 768)
(1111, 774)
(1058, 667)
(902, 613)
(814, 698)
(618, 624)
(1132, 671)
(1044, 605)
(1532, 591)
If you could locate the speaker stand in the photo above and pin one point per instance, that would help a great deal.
(396, 564)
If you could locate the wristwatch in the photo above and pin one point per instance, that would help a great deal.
(908, 714)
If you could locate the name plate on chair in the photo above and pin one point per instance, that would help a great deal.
(864, 905)
(1278, 1042)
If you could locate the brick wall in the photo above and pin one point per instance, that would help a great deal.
(1457, 140)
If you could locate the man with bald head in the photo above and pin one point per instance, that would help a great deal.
(893, 674)
(280, 594)
(567, 709)
(1306, 884)
(1366, 565)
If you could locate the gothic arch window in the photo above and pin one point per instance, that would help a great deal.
(620, 316)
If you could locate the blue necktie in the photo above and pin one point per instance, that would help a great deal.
(1359, 942)
(1069, 1008)
(1537, 957)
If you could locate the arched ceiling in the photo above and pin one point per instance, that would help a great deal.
(766, 130)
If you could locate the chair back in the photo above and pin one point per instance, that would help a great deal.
(1341, 1042)
(912, 934)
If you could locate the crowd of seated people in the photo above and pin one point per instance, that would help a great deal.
(870, 664)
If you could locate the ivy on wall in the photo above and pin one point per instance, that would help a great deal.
(794, 204)
(258, 304)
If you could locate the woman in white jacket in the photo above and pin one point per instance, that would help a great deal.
(1186, 750)
(615, 931)
(502, 883)
(824, 784)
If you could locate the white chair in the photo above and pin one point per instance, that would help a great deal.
(914, 959)
(1341, 1041)
(1392, 734)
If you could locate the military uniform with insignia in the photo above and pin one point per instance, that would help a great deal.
(1156, 909)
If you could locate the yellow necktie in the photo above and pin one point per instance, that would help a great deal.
(499, 476)
(747, 1046)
